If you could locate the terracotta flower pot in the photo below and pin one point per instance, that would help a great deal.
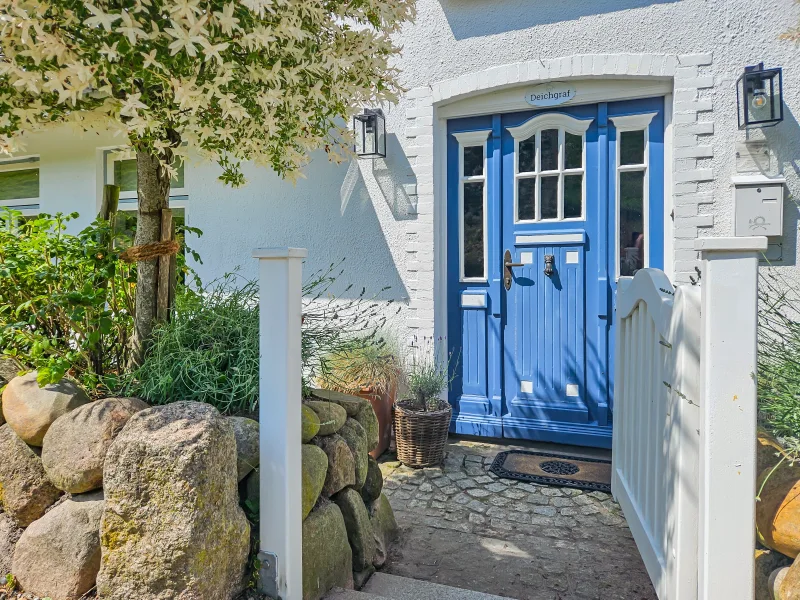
(382, 405)
(421, 436)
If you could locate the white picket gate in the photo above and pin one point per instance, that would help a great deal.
(685, 419)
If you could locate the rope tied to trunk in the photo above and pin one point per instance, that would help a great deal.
(150, 251)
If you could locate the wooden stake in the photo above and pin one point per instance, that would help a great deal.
(163, 293)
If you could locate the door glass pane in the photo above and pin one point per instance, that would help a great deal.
(573, 151)
(549, 197)
(549, 149)
(573, 196)
(473, 229)
(631, 222)
(527, 155)
(631, 148)
(18, 185)
(473, 161)
(526, 199)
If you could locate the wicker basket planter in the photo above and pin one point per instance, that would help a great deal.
(421, 436)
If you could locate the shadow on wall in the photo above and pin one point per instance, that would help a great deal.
(313, 215)
(396, 180)
(475, 18)
(784, 140)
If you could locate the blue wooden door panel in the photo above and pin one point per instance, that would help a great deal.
(535, 362)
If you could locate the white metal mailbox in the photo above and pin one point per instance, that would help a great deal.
(758, 205)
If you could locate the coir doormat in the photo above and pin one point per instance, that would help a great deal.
(554, 469)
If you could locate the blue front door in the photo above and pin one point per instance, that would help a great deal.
(546, 210)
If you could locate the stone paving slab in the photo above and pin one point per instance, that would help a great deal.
(463, 526)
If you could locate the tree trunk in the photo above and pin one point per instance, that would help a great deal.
(153, 190)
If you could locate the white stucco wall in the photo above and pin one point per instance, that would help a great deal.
(361, 210)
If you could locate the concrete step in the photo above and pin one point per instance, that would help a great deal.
(339, 594)
(393, 587)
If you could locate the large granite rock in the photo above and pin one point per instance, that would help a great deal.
(766, 561)
(785, 582)
(373, 485)
(247, 445)
(327, 558)
(75, 445)
(331, 416)
(778, 511)
(353, 433)
(310, 424)
(384, 527)
(58, 556)
(359, 528)
(25, 491)
(357, 408)
(172, 526)
(351, 404)
(9, 535)
(341, 465)
(315, 469)
(30, 410)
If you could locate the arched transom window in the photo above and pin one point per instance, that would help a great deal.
(549, 168)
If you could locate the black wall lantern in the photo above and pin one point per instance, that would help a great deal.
(759, 96)
(370, 132)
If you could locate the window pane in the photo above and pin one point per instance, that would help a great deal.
(473, 229)
(549, 149)
(473, 161)
(18, 185)
(631, 148)
(631, 222)
(526, 199)
(527, 155)
(549, 193)
(573, 196)
(125, 175)
(573, 151)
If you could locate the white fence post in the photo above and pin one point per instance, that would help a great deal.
(281, 530)
(728, 416)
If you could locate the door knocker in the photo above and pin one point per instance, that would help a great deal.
(549, 259)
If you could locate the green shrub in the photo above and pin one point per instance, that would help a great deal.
(428, 371)
(66, 301)
(779, 360)
(209, 352)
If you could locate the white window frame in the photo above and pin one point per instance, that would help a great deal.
(468, 139)
(638, 122)
(28, 207)
(113, 155)
(533, 127)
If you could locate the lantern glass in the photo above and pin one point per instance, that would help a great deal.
(759, 95)
(369, 129)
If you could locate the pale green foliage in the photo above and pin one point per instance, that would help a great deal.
(428, 371)
(262, 80)
(779, 359)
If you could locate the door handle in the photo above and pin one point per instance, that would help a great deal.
(508, 276)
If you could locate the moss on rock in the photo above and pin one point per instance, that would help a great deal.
(353, 433)
(384, 528)
(315, 468)
(331, 416)
(373, 485)
(327, 557)
(359, 528)
(310, 424)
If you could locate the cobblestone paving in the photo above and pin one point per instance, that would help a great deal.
(465, 527)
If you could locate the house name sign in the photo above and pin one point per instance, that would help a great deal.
(550, 94)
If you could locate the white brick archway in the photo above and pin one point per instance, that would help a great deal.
(689, 144)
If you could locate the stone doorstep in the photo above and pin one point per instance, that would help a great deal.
(393, 587)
